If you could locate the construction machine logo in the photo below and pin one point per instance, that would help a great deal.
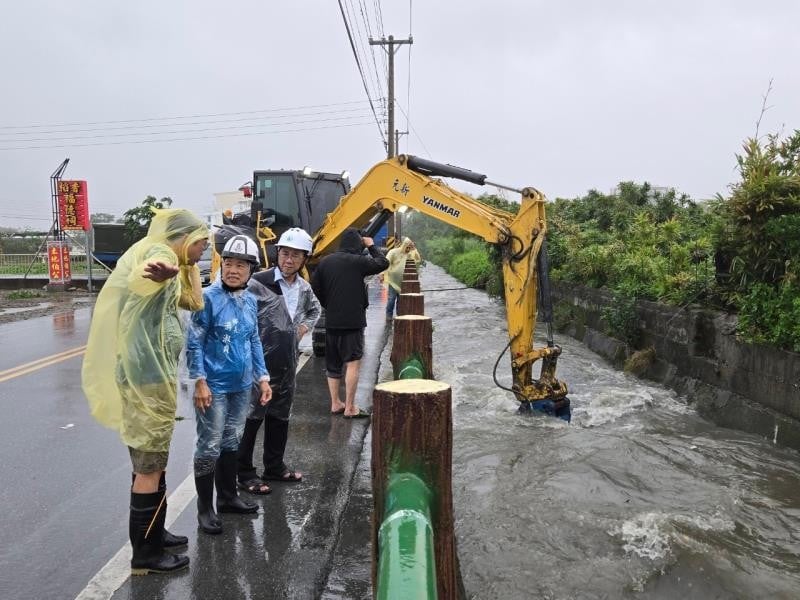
(401, 189)
(448, 210)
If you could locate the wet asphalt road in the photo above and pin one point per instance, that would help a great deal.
(66, 484)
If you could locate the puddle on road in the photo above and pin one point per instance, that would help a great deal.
(12, 311)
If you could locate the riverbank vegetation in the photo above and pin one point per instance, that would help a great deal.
(738, 252)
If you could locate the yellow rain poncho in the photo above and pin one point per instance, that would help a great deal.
(397, 263)
(129, 373)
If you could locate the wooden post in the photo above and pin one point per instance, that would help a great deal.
(410, 286)
(413, 335)
(411, 304)
(412, 431)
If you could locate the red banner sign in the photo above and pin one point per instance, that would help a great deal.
(58, 259)
(73, 205)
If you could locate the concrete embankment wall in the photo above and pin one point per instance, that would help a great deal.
(743, 386)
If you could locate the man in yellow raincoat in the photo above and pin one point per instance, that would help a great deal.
(397, 258)
(129, 372)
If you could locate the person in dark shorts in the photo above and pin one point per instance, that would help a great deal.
(338, 283)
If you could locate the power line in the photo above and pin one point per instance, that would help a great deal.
(189, 139)
(151, 126)
(198, 116)
(177, 131)
(408, 88)
(24, 218)
(360, 37)
(379, 19)
(361, 71)
(366, 19)
(411, 128)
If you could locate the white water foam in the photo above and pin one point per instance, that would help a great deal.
(651, 535)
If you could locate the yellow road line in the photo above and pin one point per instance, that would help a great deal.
(41, 363)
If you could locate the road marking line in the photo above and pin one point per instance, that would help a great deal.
(40, 360)
(53, 360)
(117, 570)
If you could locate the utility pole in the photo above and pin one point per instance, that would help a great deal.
(397, 134)
(392, 136)
(390, 50)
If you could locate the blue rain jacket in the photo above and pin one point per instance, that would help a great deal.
(223, 344)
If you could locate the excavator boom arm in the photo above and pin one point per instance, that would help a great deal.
(393, 184)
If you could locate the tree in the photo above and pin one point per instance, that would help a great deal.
(138, 219)
(102, 218)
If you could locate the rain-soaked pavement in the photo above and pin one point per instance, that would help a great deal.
(66, 486)
(638, 498)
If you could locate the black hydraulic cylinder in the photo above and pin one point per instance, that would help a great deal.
(545, 299)
(433, 169)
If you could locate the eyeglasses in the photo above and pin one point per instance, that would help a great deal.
(290, 254)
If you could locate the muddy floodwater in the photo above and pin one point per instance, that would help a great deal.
(638, 498)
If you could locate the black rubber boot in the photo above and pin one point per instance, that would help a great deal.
(228, 500)
(276, 434)
(146, 531)
(206, 517)
(170, 540)
(246, 470)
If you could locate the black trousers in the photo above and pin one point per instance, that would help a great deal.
(276, 434)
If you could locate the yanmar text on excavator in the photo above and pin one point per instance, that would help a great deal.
(324, 205)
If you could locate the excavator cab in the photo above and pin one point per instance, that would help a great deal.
(298, 198)
(283, 199)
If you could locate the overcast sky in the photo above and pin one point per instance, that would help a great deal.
(563, 96)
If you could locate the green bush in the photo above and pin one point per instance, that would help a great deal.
(621, 318)
(472, 267)
(771, 315)
(24, 295)
(37, 268)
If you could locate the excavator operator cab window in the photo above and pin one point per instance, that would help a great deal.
(278, 196)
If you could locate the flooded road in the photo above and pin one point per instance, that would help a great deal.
(638, 498)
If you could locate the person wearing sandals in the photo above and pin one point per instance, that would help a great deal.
(130, 369)
(225, 356)
(338, 282)
(287, 310)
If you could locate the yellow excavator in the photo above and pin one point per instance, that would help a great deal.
(408, 182)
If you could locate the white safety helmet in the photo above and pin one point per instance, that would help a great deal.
(243, 248)
(295, 238)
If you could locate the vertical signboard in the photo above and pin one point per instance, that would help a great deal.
(73, 205)
(58, 261)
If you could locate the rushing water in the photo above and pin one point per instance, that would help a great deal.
(638, 498)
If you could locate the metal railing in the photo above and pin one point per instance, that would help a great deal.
(32, 264)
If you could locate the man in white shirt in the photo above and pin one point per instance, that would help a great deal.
(287, 310)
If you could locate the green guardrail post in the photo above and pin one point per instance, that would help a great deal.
(412, 340)
(411, 369)
(406, 562)
(412, 498)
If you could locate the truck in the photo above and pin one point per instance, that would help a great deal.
(111, 240)
(325, 205)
